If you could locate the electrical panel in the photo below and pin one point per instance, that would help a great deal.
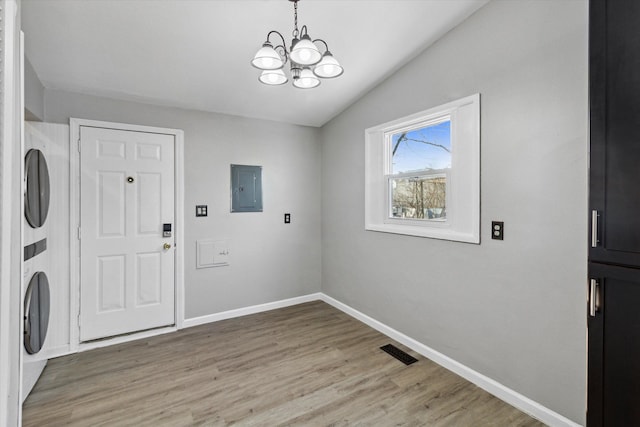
(246, 188)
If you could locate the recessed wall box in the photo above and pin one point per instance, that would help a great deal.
(212, 253)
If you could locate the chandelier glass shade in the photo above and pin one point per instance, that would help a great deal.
(267, 58)
(328, 67)
(306, 80)
(273, 77)
(308, 64)
(304, 52)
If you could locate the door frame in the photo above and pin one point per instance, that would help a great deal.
(74, 219)
(11, 164)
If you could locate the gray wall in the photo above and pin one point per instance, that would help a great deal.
(33, 93)
(513, 310)
(269, 260)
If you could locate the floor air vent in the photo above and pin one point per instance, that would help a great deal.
(405, 358)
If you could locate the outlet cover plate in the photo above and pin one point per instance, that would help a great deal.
(497, 230)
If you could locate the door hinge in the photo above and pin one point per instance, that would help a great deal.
(594, 228)
(79, 146)
(79, 235)
(594, 297)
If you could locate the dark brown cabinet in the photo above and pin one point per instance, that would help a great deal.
(614, 201)
(614, 347)
(615, 131)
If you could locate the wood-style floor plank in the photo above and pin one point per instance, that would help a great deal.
(306, 365)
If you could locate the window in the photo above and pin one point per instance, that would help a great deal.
(419, 171)
(422, 174)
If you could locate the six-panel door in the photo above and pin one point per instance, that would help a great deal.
(127, 279)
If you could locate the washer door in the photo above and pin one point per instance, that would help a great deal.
(36, 196)
(36, 312)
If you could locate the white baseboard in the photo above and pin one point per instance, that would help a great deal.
(502, 392)
(250, 310)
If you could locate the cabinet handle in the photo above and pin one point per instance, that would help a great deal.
(594, 228)
(593, 298)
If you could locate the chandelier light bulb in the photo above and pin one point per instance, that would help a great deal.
(273, 77)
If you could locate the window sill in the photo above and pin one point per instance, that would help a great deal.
(429, 232)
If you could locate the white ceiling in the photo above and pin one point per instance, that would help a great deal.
(195, 53)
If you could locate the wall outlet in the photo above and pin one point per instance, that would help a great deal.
(287, 218)
(497, 230)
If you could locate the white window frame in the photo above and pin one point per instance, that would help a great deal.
(462, 222)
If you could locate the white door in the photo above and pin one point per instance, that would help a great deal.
(127, 267)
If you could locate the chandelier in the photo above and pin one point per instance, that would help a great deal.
(307, 64)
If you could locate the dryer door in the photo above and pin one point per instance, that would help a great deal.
(36, 197)
(36, 313)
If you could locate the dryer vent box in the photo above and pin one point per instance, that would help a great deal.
(246, 188)
(212, 253)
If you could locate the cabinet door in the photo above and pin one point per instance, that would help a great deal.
(614, 347)
(615, 131)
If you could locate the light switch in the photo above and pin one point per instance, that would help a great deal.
(201, 210)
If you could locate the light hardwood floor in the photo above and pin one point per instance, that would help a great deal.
(307, 365)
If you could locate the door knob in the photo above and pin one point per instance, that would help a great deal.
(167, 246)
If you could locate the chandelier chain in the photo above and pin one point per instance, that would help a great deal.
(295, 19)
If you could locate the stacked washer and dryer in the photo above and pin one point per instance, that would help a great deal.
(37, 193)
(46, 240)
